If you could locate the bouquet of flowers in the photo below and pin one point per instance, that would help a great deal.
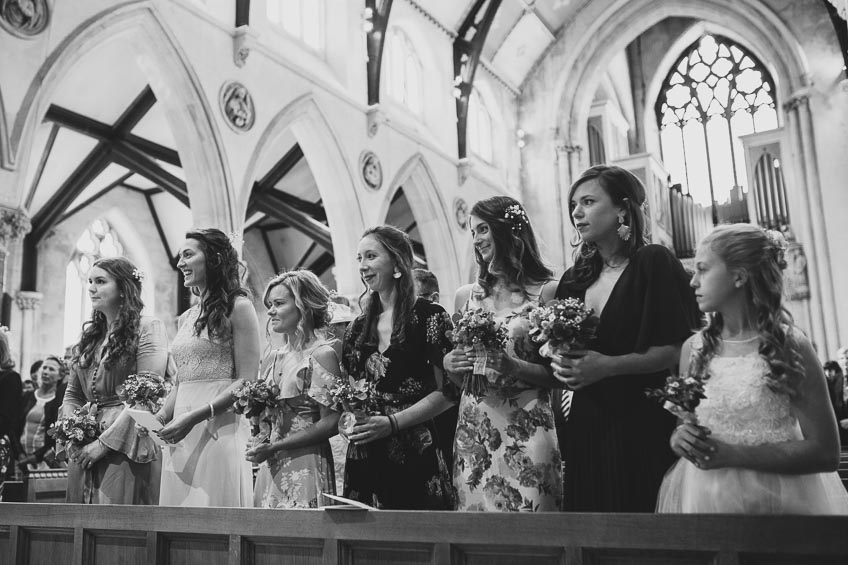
(357, 397)
(253, 398)
(680, 396)
(478, 330)
(144, 389)
(79, 429)
(562, 325)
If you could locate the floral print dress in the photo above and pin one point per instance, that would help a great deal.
(506, 456)
(296, 478)
(405, 471)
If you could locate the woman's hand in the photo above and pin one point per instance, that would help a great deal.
(178, 428)
(371, 428)
(260, 453)
(496, 359)
(457, 362)
(580, 368)
(691, 442)
(91, 454)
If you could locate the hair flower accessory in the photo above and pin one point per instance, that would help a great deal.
(138, 274)
(516, 215)
(778, 248)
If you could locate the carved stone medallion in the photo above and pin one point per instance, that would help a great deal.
(237, 106)
(460, 212)
(371, 170)
(24, 18)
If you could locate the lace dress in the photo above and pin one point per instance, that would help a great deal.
(740, 409)
(208, 467)
(506, 456)
(296, 478)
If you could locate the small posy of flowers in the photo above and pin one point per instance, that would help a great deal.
(351, 394)
(562, 325)
(516, 216)
(253, 399)
(681, 395)
(79, 429)
(144, 389)
(138, 274)
(478, 327)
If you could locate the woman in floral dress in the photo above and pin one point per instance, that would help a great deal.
(506, 456)
(398, 344)
(299, 460)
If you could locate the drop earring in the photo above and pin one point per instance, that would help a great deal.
(623, 229)
(396, 274)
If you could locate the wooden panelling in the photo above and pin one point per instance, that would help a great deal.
(80, 534)
(646, 557)
(276, 551)
(124, 547)
(174, 549)
(493, 554)
(358, 553)
(43, 546)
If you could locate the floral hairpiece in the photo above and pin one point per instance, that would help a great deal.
(236, 239)
(516, 215)
(779, 245)
(138, 274)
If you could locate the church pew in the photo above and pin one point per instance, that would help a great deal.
(36, 534)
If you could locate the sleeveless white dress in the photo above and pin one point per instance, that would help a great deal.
(208, 467)
(740, 409)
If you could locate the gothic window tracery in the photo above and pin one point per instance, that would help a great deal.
(716, 92)
(403, 71)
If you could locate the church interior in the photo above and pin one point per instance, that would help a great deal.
(294, 125)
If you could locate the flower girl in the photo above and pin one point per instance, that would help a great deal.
(765, 439)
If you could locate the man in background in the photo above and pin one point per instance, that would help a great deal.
(426, 285)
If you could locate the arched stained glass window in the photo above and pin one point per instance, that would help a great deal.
(716, 92)
(480, 128)
(403, 71)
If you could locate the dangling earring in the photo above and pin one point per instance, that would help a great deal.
(396, 274)
(623, 229)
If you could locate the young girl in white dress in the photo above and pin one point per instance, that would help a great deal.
(765, 440)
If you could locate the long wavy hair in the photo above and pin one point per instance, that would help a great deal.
(122, 336)
(625, 190)
(515, 254)
(761, 255)
(224, 275)
(399, 247)
(312, 300)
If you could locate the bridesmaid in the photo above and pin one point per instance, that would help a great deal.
(397, 343)
(616, 438)
(120, 467)
(299, 460)
(216, 349)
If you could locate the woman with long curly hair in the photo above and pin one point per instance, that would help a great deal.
(616, 438)
(299, 460)
(121, 466)
(216, 349)
(765, 440)
(397, 343)
(505, 456)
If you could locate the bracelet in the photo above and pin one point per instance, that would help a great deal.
(393, 422)
(211, 411)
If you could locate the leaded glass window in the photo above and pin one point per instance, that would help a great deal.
(716, 92)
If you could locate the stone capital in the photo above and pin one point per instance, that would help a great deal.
(797, 99)
(28, 299)
(14, 224)
(244, 40)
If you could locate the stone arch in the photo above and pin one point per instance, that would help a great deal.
(430, 211)
(5, 151)
(175, 84)
(333, 175)
(751, 23)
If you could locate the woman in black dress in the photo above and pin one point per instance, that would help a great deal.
(398, 343)
(616, 437)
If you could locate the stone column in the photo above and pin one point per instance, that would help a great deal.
(823, 296)
(567, 163)
(28, 301)
(14, 224)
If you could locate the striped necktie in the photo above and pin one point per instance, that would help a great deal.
(565, 403)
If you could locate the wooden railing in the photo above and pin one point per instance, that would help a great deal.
(35, 534)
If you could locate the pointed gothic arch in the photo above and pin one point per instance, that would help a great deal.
(176, 86)
(430, 211)
(304, 119)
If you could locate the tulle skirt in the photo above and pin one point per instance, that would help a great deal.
(209, 467)
(688, 489)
